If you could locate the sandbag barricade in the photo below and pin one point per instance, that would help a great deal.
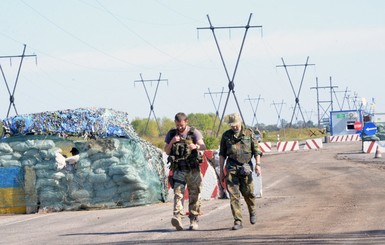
(85, 122)
(12, 199)
(115, 167)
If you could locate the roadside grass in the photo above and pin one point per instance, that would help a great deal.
(292, 134)
(285, 134)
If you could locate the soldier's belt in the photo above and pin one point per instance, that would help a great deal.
(233, 161)
(183, 166)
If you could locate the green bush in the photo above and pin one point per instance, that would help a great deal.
(212, 143)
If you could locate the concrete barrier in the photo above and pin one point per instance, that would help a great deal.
(371, 146)
(265, 146)
(313, 144)
(343, 138)
(283, 146)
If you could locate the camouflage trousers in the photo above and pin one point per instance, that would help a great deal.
(237, 185)
(193, 179)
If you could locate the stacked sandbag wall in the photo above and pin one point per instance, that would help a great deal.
(110, 173)
(11, 191)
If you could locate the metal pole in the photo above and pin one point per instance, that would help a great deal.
(230, 80)
(12, 94)
(153, 100)
(292, 87)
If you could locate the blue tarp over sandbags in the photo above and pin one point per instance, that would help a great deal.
(79, 122)
(116, 168)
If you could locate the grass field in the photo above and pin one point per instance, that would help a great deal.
(286, 134)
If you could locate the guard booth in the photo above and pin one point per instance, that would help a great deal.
(379, 120)
(342, 122)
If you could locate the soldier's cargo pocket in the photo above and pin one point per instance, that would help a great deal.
(245, 169)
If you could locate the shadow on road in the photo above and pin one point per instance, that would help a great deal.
(134, 232)
(360, 237)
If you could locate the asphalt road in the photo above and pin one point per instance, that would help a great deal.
(330, 196)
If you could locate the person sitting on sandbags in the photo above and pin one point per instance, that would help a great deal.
(72, 160)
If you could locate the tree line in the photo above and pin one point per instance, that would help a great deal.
(155, 130)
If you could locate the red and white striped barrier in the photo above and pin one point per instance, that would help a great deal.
(313, 144)
(287, 146)
(371, 146)
(210, 181)
(343, 138)
(265, 146)
(210, 188)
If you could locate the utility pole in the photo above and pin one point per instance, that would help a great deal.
(153, 100)
(307, 113)
(296, 94)
(344, 98)
(215, 106)
(254, 108)
(355, 100)
(279, 111)
(230, 79)
(12, 94)
(320, 102)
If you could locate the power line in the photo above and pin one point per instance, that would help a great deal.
(151, 102)
(343, 98)
(215, 106)
(12, 94)
(296, 94)
(77, 38)
(279, 111)
(230, 79)
(324, 116)
(140, 37)
(254, 108)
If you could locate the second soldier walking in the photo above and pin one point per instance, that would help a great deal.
(239, 145)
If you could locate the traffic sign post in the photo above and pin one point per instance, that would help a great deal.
(357, 126)
(370, 128)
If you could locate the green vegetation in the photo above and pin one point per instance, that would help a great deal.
(208, 124)
(149, 129)
(288, 134)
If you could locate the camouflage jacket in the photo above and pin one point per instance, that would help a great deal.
(239, 148)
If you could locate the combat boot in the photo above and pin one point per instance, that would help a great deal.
(176, 221)
(253, 218)
(237, 225)
(194, 223)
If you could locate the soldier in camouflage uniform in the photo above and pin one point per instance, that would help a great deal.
(238, 146)
(182, 145)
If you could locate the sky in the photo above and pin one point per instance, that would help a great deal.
(107, 54)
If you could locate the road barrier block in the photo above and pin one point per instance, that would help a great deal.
(287, 146)
(265, 146)
(313, 144)
(371, 146)
(344, 138)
